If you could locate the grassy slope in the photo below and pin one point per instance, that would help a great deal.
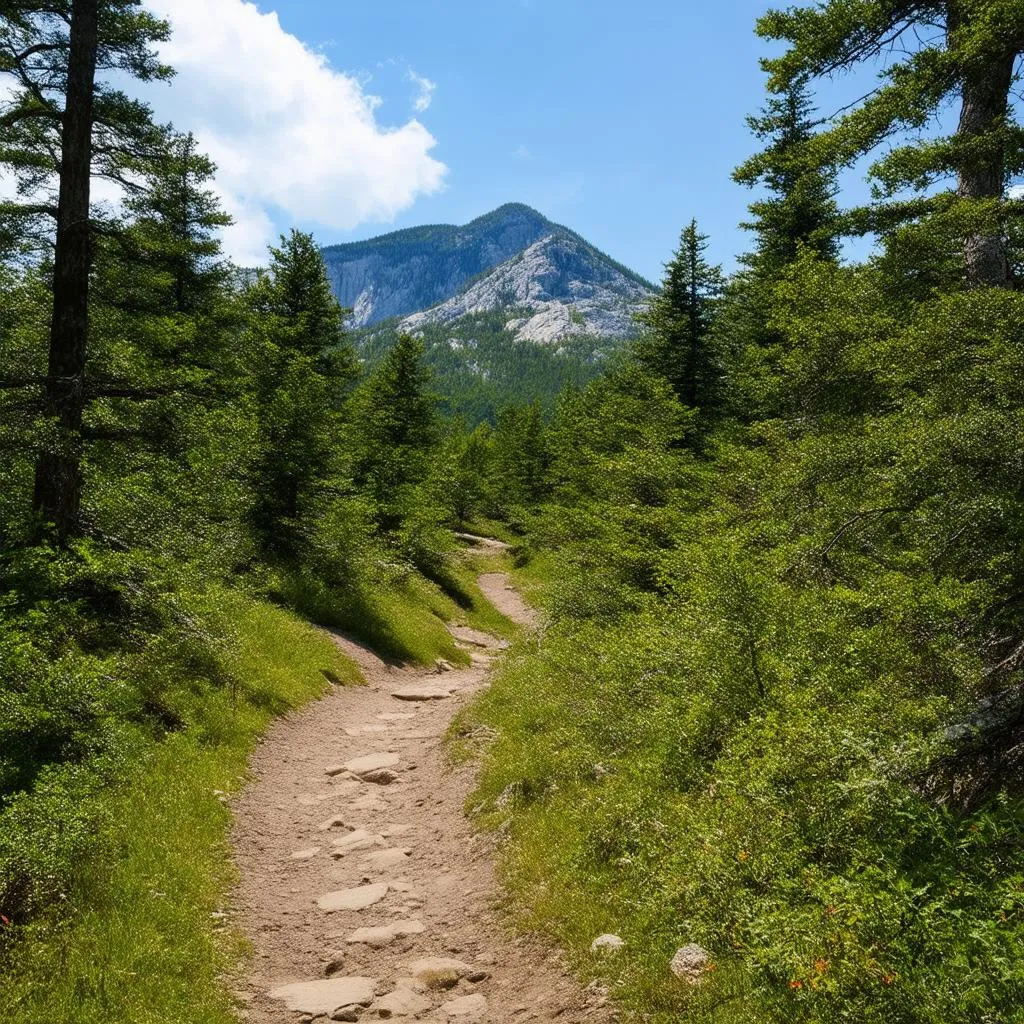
(144, 947)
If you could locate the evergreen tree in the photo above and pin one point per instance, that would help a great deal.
(964, 50)
(303, 370)
(800, 213)
(396, 430)
(676, 342)
(521, 457)
(167, 321)
(62, 124)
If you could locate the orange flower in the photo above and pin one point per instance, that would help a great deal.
(796, 984)
(742, 856)
(821, 965)
(888, 979)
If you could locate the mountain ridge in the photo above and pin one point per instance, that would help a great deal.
(413, 270)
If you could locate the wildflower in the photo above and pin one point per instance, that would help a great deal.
(821, 965)
(796, 984)
(742, 856)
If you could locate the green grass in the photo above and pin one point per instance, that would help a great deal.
(140, 945)
(407, 621)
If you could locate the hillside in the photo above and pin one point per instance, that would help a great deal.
(410, 271)
(510, 307)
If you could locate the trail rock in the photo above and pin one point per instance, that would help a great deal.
(607, 944)
(405, 1001)
(428, 967)
(370, 763)
(387, 858)
(380, 776)
(425, 692)
(353, 899)
(690, 963)
(319, 997)
(477, 638)
(357, 839)
(384, 934)
(466, 1006)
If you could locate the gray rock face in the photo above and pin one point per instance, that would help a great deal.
(556, 287)
(404, 272)
(550, 280)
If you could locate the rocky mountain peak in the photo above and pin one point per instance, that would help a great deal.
(550, 280)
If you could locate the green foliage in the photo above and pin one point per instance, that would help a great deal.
(303, 369)
(801, 213)
(677, 340)
(935, 54)
(479, 368)
(139, 865)
(771, 711)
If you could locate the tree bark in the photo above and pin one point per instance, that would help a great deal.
(58, 474)
(984, 108)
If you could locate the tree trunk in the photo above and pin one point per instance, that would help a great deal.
(58, 475)
(981, 176)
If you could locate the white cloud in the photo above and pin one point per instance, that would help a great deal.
(521, 152)
(294, 138)
(426, 91)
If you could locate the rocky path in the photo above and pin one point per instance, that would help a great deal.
(363, 889)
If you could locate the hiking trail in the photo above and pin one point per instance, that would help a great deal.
(363, 889)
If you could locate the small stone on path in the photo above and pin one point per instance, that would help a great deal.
(405, 1001)
(367, 763)
(433, 691)
(380, 776)
(360, 898)
(319, 997)
(357, 839)
(383, 935)
(466, 1006)
(427, 967)
(387, 858)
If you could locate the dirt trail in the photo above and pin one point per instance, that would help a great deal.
(360, 873)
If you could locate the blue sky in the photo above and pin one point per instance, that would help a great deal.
(622, 121)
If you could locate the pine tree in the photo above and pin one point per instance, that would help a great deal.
(62, 124)
(166, 325)
(396, 429)
(964, 50)
(521, 456)
(304, 369)
(676, 341)
(800, 214)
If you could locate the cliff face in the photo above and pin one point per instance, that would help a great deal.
(556, 287)
(409, 271)
(551, 282)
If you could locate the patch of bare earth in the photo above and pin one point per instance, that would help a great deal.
(363, 889)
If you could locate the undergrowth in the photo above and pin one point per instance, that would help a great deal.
(128, 933)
